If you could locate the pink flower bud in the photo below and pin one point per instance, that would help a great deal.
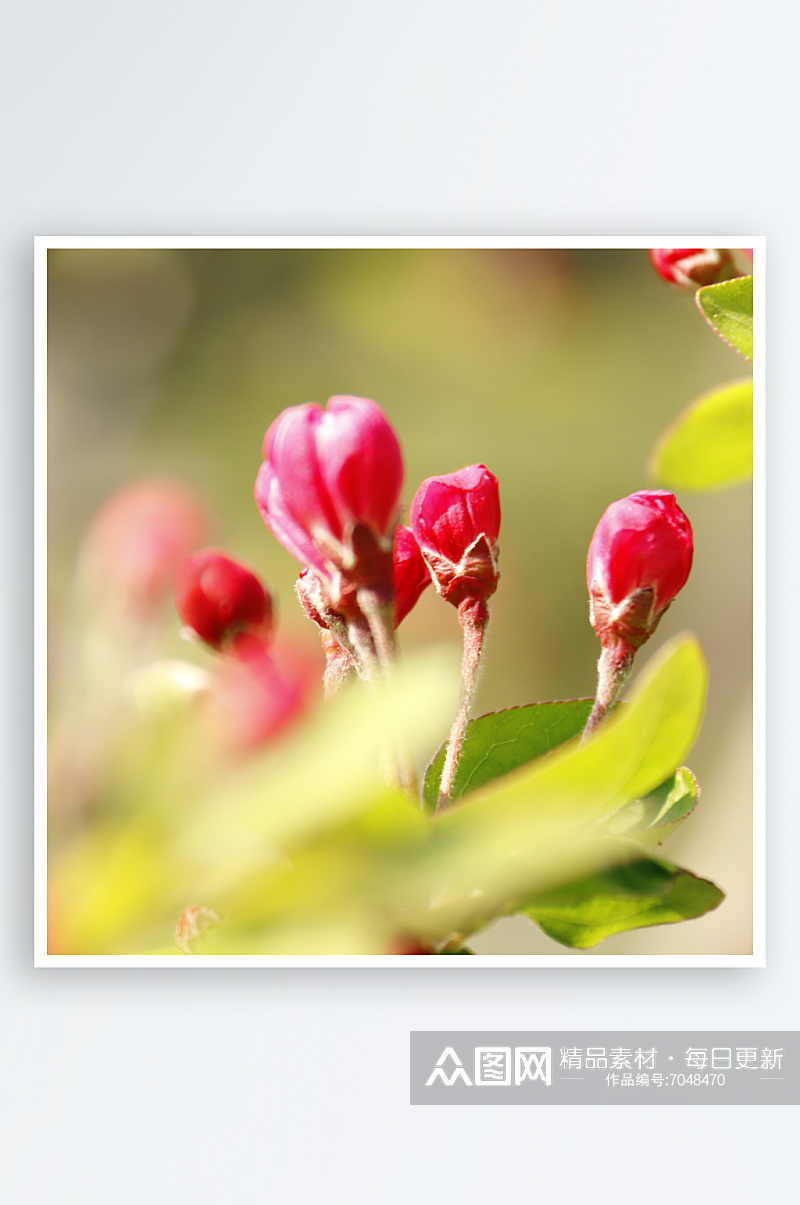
(411, 574)
(332, 488)
(639, 558)
(688, 268)
(218, 597)
(137, 539)
(456, 520)
(287, 531)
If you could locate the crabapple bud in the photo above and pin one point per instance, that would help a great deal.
(639, 558)
(455, 520)
(331, 489)
(217, 597)
(688, 268)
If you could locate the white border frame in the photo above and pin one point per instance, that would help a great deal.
(42, 244)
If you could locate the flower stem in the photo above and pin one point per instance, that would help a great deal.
(613, 669)
(380, 614)
(339, 665)
(473, 617)
(378, 611)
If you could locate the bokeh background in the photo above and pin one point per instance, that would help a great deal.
(558, 369)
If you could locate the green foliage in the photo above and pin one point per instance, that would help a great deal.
(302, 853)
(729, 308)
(643, 893)
(710, 446)
(657, 815)
(505, 740)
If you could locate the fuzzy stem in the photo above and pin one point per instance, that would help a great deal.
(339, 665)
(360, 639)
(473, 617)
(378, 611)
(363, 641)
(380, 615)
(613, 669)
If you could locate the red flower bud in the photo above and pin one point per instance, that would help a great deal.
(456, 520)
(411, 574)
(639, 558)
(218, 597)
(137, 539)
(331, 489)
(688, 268)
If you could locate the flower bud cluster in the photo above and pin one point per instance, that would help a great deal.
(329, 491)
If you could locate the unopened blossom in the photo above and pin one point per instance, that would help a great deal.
(218, 597)
(456, 521)
(330, 490)
(639, 558)
(691, 267)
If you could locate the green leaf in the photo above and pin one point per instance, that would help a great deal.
(729, 308)
(629, 755)
(503, 741)
(710, 446)
(655, 817)
(635, 896)
(549, 823)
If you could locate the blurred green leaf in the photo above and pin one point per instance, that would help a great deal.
(390, 870)
(331, 771)
(729, 308)
(504, 740)
(643, 893)
(656, 816)
(361, 864)
(711, 444)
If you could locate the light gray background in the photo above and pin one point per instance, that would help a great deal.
(427, 117)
